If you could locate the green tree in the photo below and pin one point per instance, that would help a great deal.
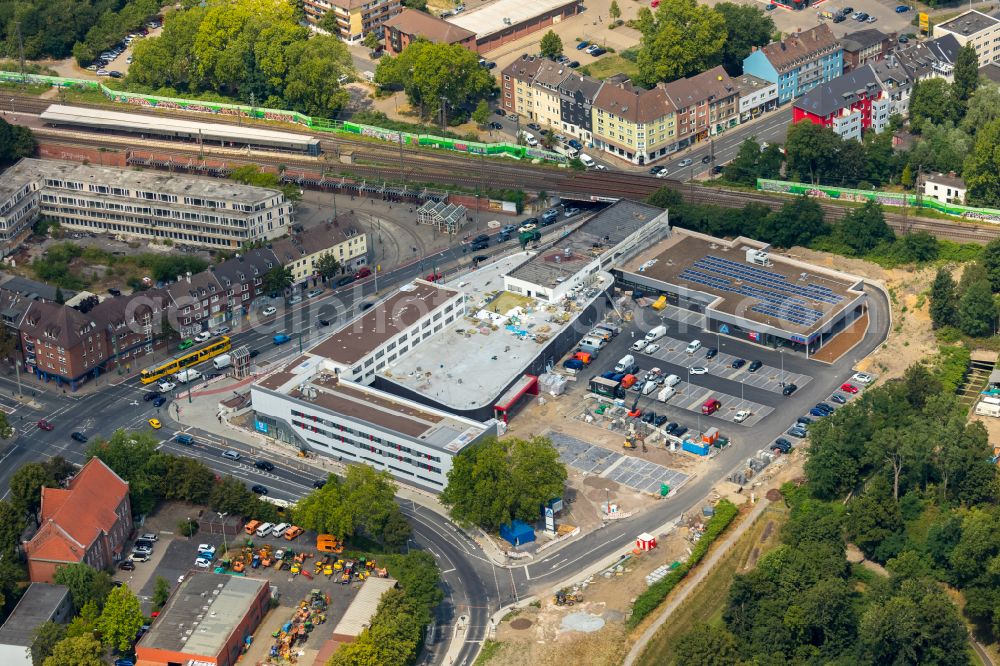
(930, 100)
(127, 454)
(747, 26)
(916, 247)
(371, 40)
(864, 229)
(977, 313)
(966, 78)
(12, 525)
(942, 147)
(26, 487)
(990, 261)
(614, 12)
(707, 645)
(798, 222)
(47, 635)
(85, 622)
(278, 279)
(982, 167)
(121, 619)
(327, 266)
(943, 308)
(77, 651)
(665, 197)
(551, 45)
(482, 113)
(811, 152)
(745, 167)
(982, 109)
(16, 141)
(429, 72)
(681, 38)
(497, 481)
(315, 67)
(906, 179)
(85, 584)
(363, 501)
(161, 592)
(6, 429)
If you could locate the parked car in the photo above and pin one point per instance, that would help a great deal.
(137, 556)
(269, 310)
(711, 353)
(496, 126)
(313, 293)
(797, 431)
(201, 337)
(346, 280)
(651, 348)
(781, 445)
(127, 565)
(754, 366)
(839, 399)
(639, 345)
(573, 64)
(221, 330)
(862, 378)
(203, 562)
(789, 389)
(804, 420)
(582, 45)
(535, 127)
(741, 415)
(699, 370)
(738, 363)
(848, 388)
(902, 9)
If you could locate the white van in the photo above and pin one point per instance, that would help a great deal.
(627, 361)
(666, 393)
(185, 376)
(672, 380)
(602, 333)
(656, 333)
(279, 530)
(530, 139)
(649, 387)
(223, 361)
(694, 346)
(587, 160)
(264, 530)
(593, 342)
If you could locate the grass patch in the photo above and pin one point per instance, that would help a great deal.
(609, 65)
(490, 649)
(706, 604)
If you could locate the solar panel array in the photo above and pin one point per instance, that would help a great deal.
(777, 296)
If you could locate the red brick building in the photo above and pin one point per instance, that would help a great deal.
(89, 521)
(409, 25)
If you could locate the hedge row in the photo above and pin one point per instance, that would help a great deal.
(952, 367)
(648, 601)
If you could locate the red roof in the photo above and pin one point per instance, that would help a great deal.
(73, 518)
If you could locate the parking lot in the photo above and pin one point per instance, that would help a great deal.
(636, 473)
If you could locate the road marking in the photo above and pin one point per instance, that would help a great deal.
(448, 571)
(526, 574)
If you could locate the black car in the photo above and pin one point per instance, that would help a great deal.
(598, 52)
(781, 444)
(495, 125)
(671, 427)
(789, 389)
(151, 395)
(706, 159)
(127, 565)
(500, 112)
(754, 366)
(573, 64)
(479, 258)
(264, 465)
(796, 431)
(535, 126)
(159, 401)
(805, 420)
(679, 431)
(839, 399)
(717, 169)
(480, 245)
(254, 352)
(319, 483)
(649, 417)
(78, 437)
(660, 420)
(711, 352)
(655, 170)
(259, 489)
(839, 18)
(347, 279)
(738, 363)
(847, 11)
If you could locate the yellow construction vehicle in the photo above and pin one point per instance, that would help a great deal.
(567, 598)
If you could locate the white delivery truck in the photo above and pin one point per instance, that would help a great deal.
(626, 362)
(185, 376)
(666, 393)
(656, 333)
(222, 361)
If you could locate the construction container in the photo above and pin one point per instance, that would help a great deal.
(692, 447)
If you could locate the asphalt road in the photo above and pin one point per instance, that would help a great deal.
(475, 588)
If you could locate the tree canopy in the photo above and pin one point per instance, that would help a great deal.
(251, 50)
(982, 167)
(16, 141)
(679, 38)
(77, 651)
(121, 619)
(551, 45)
(496, 481)
(429, 73)
(747, 26)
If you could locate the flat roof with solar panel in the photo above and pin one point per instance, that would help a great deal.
(743, 279)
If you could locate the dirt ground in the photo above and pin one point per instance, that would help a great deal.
(911, 338)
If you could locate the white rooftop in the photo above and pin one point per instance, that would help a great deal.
(490, 19)
(469, 363)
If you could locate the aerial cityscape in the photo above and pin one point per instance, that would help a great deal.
(499, 333)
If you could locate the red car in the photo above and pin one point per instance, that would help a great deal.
(45, 425)
(433, 277)
(849, 388)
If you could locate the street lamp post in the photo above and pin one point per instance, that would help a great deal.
(225, 537)
(781, 355)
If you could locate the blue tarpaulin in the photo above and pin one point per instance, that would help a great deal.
(517, 533)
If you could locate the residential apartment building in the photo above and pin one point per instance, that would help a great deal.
(902, 68)
(20, 194)
(849, 105)
(944, 187)
(88, 521)
(517, 94)
(976, 28)
(632, 123)
(242, 277)
(798, 63)
(548, 103)
(864, 46)
(409, 25)
(301, 253)
(705, 104)
(143, 205)
(576, 102)
(355, 18)
(62, 344)
(132, 325)
(200, 302)
(757, 96)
